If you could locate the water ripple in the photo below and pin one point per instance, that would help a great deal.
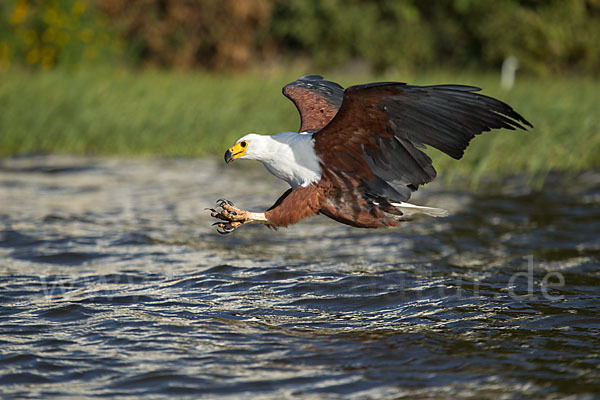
(113, 284)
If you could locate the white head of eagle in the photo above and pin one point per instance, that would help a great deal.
(287, 155)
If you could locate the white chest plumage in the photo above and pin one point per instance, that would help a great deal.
(292, 158)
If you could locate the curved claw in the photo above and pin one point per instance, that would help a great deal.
(225, 229)
(221, 202)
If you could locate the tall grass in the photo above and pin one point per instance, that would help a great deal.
(133, 113)
(197, 114)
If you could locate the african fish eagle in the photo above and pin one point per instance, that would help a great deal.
(357, 157)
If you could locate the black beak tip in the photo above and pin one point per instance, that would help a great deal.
(228, 156)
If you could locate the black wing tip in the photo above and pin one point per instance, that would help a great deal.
(519, 118)
(306, 80)
(310, 77)
(331, 91)
(374, 85)
(454, 86)
(314, 80)
(514, 120)
(511, 119)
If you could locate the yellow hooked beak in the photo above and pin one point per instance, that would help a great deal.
(236, 151)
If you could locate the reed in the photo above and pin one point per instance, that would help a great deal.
(161, 113)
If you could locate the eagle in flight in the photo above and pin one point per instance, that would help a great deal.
(358, 154)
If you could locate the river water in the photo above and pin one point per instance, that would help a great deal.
(114, 284)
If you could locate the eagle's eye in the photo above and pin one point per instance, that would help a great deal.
(243, 143)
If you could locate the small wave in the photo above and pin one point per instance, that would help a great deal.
(67, 312)
(61, 258)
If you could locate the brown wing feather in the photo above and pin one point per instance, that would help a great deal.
(344, 200)
(316, 99)
(379, 127)
(358, 123)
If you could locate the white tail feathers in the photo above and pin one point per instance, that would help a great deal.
(410, 209)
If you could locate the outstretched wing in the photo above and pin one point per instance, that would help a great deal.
(379, 128)
(316, 99)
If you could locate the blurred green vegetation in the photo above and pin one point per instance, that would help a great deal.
(100, 111)
(547, 36)
(47, 33)
(116, 76)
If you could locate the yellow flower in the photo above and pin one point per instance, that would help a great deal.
(33, 56)
(78, 8)
(19, 13)
(60, 19)
(50, 16)
(49, 35)
(4, 51)
(48, 51)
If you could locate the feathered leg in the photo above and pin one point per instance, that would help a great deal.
(290, 208)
